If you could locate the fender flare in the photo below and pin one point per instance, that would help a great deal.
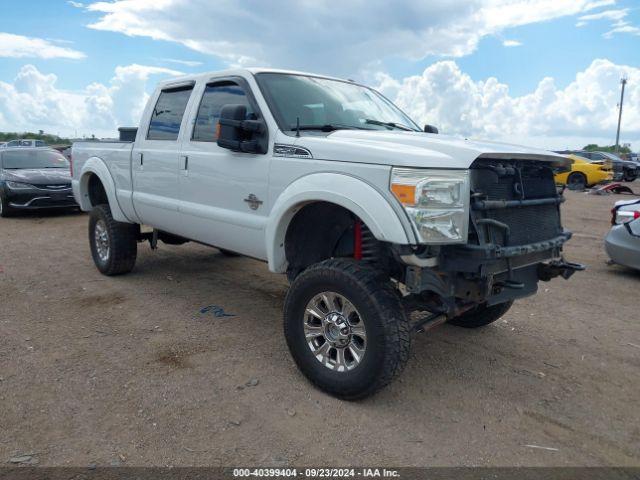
(352, 193)
(96, 166)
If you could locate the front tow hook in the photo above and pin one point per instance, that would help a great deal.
(559, 268)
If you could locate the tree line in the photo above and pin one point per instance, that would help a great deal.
(47, 138)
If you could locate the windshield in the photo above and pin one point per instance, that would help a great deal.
(323, 104)
(611, 156)
(33, 159)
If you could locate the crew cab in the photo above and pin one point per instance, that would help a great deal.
(370, 217)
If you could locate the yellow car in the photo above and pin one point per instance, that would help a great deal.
(584, 174)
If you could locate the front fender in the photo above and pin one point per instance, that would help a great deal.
(96, 166)
(349, 192)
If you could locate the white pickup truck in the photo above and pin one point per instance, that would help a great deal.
(370, 216)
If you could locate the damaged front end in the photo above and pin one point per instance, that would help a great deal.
(515, 239)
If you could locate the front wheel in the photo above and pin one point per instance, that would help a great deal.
(114, 245)
(5, 210)
(346, 329)
(481, 315)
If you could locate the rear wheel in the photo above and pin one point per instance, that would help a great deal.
(114, 245)
(5, 209)
(629, 177)
(481, 315)
(577, 181)
(346, 329)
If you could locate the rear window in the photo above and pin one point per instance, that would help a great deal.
(17, 159)
(167, 114)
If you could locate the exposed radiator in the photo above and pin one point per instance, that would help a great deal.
(527, 185)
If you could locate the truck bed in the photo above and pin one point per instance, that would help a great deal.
(115, 156)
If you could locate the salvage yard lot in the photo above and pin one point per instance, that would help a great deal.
(183, 362)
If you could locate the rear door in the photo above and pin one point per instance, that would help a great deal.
(224, 194)
(156, 162)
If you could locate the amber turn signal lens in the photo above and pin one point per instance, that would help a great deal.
(405, 193)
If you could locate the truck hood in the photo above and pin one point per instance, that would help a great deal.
(415, 149)
(44, 176)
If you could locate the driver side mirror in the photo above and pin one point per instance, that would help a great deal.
(238, 134)
(430, 129)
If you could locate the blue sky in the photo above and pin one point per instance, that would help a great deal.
(394, 47)
(58, 20)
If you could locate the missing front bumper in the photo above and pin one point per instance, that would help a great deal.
(489, 274)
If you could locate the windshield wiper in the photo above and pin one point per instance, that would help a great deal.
(328, 127)
(399, 126)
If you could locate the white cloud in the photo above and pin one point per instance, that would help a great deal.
(125, 96)
(19, 46)
(622, 27)
(606, 15)
(550, 117)
(599, 3)
(186, 63)
(33, 101)
(75, 4)
(315, 35)
(511, 43)
(616, 16)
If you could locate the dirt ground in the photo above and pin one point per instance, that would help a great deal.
(135, 370)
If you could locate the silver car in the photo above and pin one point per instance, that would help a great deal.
(622, 243)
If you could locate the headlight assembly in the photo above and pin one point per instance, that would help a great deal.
(18, 186)
(437, 202)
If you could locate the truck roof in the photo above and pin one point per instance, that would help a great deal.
(237, 72)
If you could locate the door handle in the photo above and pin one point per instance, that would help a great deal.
(141, 159)
(185, 165)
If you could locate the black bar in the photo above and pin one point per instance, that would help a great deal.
(314, 472)
(498, 204)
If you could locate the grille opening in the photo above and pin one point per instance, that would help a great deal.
(513, 181)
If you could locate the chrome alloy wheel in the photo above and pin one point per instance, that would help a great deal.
(101, 238)
(335, 331)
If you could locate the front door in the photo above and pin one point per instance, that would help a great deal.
(224, 194)
(156, 160)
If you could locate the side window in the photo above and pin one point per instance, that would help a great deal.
(167, 114)
(597, 156)
(215, 97)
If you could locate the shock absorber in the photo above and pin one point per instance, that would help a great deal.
(357, 240)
